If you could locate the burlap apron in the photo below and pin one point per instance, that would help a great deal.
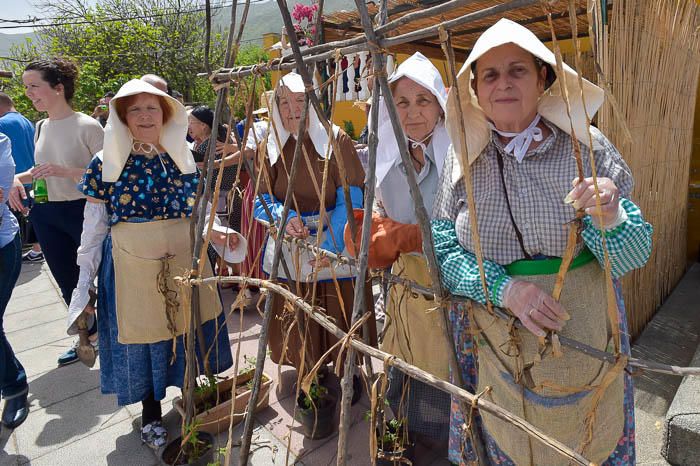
(298, 259)
(558, 413)
(147, 258)
(414, 327)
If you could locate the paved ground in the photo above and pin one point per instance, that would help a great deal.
(72, 423)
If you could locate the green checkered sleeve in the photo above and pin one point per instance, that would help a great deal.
(629, 244)
(460, 270)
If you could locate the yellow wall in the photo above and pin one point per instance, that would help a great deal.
(694, 190)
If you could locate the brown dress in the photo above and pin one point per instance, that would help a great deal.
(317, 339)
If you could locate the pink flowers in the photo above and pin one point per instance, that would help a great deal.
(301, 12)
(305, 25)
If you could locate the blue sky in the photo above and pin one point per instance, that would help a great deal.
(21, 9)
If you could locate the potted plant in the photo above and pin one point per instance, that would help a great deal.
(212, 399)
(316, 411)
(393, 446)
(195, 450)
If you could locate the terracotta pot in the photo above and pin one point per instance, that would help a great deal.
(217, 418)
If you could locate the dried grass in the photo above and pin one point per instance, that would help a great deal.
(656, 93)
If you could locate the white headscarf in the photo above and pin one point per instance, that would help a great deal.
(294, 83)
(551, 104)
(421, 70)
(118, 139)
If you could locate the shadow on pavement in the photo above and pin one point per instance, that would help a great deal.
(5, 458)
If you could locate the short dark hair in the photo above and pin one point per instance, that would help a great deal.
(122, 104)
(109, 95)
(6, 100)
(57, 71)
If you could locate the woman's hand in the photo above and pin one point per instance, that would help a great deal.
(46, 170)
(2, 196)
(536, 309)
(220, 239)
(321, 263)
(16, 196)
(583, 197)
(296, 228)
(225, 148)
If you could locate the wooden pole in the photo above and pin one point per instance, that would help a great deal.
(328, 126)
(319, 316)
(267, 316)
(359, 44)
(359, 305)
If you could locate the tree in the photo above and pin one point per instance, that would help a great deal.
(118, 40)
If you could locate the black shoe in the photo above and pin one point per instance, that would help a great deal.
(16, 411)
(356, 390)
(31, 256)
(70, 356)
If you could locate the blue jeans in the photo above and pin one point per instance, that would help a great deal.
(13, 379)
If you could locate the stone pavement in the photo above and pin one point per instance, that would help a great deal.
(72, 423)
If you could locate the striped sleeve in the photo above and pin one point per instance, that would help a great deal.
(460, 270)
(629, 244)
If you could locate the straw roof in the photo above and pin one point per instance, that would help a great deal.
(346, 24)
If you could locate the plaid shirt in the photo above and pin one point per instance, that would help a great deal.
(536, 190)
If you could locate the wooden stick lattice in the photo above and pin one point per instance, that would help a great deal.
(375, 41)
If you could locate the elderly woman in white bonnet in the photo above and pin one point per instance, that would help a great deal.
(413, 331)
(521, 154)
(333, 289)
(141, 191)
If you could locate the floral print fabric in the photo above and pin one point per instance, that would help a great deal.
(148, 188)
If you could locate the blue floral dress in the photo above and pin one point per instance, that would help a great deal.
(149, 189)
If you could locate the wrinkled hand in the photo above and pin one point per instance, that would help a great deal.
(583, 197)
(296, 228)
(536, 309)
(16, 196)
(89, 309)
(46, 170)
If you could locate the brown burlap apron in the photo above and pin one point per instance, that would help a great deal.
(557, 402)
(147, 258)
(414, 327)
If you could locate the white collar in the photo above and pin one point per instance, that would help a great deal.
(520, 142)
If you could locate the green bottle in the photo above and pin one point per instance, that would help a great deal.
(41, 193)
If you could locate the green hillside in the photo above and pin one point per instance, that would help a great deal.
(8, 40)
(264, 17)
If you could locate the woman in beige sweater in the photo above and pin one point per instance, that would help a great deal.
(65, 143)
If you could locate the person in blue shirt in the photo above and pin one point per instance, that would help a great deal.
(13, 379)
(20, 131)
